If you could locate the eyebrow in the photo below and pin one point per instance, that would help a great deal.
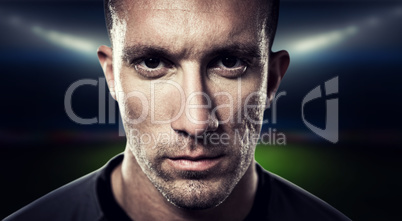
(138, 51)
(243, 50)
(237, 49)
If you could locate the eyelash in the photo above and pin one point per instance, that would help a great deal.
(149, 72)
(213, 67)
(229, 72)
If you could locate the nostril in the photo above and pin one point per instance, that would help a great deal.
(182, 133)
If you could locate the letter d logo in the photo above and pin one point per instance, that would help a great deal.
(330, 132)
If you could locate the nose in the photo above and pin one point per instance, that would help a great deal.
(197, 117)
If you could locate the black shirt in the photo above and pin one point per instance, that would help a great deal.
(91, 198)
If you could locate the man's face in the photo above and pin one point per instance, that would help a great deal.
(179, 68)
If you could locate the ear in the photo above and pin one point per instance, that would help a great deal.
(278, 64)
(105, 56)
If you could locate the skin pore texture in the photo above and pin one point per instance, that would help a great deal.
(191, 79)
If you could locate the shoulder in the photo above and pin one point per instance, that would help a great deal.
(73, 200)
(290, 202)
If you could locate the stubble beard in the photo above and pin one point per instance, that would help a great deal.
(195, 190)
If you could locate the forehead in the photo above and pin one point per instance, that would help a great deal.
(236, 8)
(192, 24)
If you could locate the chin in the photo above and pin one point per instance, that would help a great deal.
(196, 194)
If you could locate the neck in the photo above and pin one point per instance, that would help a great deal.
(142, 201)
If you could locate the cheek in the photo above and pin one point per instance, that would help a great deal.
(133, 97)
(243, 99)
(250, 112)
(254, 97)
(134, 107)
(151, 102)
(244, 105)
(146, 108)
(254, 106)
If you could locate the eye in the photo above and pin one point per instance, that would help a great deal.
(228, 66)
(151, 63)
(152, 67)
(229, 62)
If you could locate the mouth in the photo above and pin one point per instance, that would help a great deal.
(194, 163)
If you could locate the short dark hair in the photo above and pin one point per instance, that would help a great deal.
(271, 15)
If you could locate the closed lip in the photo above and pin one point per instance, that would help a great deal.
(196, 157)
(195, 163)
